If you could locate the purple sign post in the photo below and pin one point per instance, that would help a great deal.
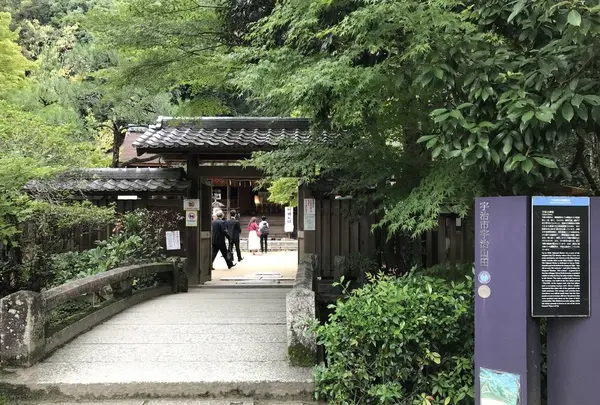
(507, 343)
(573, 348)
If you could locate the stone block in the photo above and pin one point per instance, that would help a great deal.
(22, 329)
(300, 318)
(183, 282)
(122, 289)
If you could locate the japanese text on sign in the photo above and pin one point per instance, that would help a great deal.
(484, 232)
(289, 219)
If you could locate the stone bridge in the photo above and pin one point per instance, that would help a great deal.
(215, 342)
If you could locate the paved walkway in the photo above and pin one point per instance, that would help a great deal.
(209, 341)
(284, 263)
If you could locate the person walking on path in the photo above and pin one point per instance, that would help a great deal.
(253, 238)
(219, 235)
(263, 229)
(234, 230)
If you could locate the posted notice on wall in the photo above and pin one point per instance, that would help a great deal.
(191, 204)
(310, 214)
(289, 220)
(173, 240)
(191, 218)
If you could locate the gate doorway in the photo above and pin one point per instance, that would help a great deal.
(211, 149)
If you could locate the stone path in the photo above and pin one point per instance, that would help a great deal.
(284, 263)
(210, 341)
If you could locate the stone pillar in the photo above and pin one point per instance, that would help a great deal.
(22, 329)
(507, 341)
(300, 314)
(573, 353)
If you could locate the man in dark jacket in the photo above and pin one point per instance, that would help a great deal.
(234, 229)
(219, 235)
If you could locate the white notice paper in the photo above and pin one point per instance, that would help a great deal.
(289, 220)
(309, 206)
(309, 222)
(177, 240)
(170, 241)
(310, 211)
(173, 240)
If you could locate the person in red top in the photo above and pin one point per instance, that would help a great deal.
(253, 236)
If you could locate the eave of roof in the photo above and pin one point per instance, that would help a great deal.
(233, 135)
(110, 180)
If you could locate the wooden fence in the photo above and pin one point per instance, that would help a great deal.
(343, 232)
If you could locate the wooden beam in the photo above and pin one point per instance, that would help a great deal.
(231, 172)
(193, 233)
(441, 240)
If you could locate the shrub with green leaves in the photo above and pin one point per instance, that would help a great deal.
(139, 239)
(400, 341)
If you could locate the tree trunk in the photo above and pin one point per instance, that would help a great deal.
(118, 139)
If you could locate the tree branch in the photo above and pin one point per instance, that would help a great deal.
(585, 169)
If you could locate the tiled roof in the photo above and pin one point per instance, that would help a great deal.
(224, 133)
(114, 180)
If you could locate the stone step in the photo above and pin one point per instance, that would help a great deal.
(177, 401)
(274, 245)
(194, 392)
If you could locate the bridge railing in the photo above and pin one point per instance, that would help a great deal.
(26, 333)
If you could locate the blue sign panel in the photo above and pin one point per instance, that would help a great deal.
(562, 201)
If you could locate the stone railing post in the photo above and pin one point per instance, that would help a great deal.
(22, 329)
(301, 315)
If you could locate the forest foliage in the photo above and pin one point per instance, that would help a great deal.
(431, 103)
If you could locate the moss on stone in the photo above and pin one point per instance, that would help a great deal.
(301, 356)
(10, 394)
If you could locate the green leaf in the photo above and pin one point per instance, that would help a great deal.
(495, 156)
(436, 152)
(546, 162)
(431, 142)
(426, 138)
(596, 114)
(527, 165)
(507, 146)
(576, 100)
(556, 94)
(447, 401)
(519, 5)
(574, 18)
(441, 117)
(527, 116)
(567, 112)
(544, 115)
(593, 100)
(438, 111)
(519, 158)
(582, 112)
(573, 84)
(439, 73)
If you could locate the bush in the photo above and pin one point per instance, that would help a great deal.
(139, 240)
(400, 341)
(45, 229)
